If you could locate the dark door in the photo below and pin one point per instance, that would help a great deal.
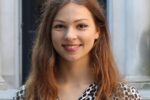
(30, 15)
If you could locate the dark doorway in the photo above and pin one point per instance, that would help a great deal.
(103, 2)
(30, 15)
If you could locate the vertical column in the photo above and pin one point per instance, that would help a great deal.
(2, 81)
(116, 18)
(131, 37)
(9, 37)
(137, 25)
(129, 23)
(0, 43)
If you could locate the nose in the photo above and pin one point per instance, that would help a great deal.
(70, 34)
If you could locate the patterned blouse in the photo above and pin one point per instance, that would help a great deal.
(124, 92)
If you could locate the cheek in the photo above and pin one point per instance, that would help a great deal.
(89, 40)
(56, 36)
(55, 39)
(56, 43)
(90, 36)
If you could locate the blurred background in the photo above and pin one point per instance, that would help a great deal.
(129, 25)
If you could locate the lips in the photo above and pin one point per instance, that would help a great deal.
(71, 47)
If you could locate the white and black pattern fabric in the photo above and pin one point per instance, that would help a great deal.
(20, 94)
(124, 92)
(89, 93)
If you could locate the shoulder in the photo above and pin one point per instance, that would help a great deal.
(126, 92)
(20, 93)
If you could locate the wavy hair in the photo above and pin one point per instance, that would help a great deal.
(41, 83)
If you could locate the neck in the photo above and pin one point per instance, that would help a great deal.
(77, 72)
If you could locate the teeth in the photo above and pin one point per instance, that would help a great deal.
(71, 46)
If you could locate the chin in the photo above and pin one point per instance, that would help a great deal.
(71, 59)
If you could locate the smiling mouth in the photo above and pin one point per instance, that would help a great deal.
(71, 47)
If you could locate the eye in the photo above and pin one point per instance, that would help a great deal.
(59, 26)
(82, 26)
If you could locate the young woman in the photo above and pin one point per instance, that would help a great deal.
(72, 58)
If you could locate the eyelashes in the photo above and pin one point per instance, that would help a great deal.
(59, 26)
(80, 26)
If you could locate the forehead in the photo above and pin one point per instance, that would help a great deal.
(73, 11)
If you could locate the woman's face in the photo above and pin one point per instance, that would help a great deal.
(74, 32)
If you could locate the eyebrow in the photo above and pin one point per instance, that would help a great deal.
(59, 20)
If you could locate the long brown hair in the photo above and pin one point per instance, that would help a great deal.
(41, 84)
